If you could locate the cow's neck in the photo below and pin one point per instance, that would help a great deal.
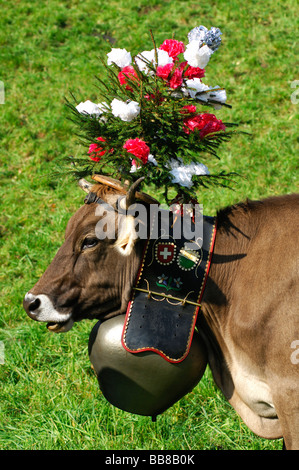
(234, 232)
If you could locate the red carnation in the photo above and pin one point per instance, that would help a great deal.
(95, 151)
(206, 123)
(138, 148)
(125, 73)
(191, 72)
(175, 79)
(173, 47)
(163, 71)
(211, 127)
(189, 109)
(194, 72)
(193, 122)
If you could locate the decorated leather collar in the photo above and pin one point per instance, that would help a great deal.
(162, 312)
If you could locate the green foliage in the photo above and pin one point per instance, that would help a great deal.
(49, 397)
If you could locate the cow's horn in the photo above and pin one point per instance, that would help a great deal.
(85, 185)
(126, 202)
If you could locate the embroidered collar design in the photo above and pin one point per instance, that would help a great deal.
(162, 312)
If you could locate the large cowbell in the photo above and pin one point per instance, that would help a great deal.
(151, 357)
(145, 383)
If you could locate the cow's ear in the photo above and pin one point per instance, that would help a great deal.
(127, 236)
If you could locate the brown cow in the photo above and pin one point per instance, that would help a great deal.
(249, 318)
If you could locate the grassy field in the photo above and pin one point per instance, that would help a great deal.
(49, 397)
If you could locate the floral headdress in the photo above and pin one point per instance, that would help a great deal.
(150, 120)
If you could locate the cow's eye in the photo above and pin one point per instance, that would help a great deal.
(89, 242)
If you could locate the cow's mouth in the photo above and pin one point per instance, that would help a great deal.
(61, 327)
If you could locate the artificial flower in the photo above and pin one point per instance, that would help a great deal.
(197, 56)
(206, 123)
(138, 148)
(163, 71)
(182, 174)
(125, 73)
(134, 166)
(120, 57)
(211, 127)
(192, 72)
(174, 78)
(125, 111)
(172, 47)
(218, 96)
(95, 151)
(193, 122)
(212, 37)
(151, 159)
(198, 34)
(88, 107)
(150, 56)
(188, 109)
(195, 86)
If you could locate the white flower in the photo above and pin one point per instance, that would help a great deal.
(150, 56)
(182, 174)
(217, 95)
(198, 169)
(92, 109)
(196, 86)
(197, 56)
(212, 37)
(152, 159)
(134, 166)
(125, 111)
(120, 57)
(88, 107)
(198, 34)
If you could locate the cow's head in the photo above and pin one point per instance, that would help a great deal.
(90, 277)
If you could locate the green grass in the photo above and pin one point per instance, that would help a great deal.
(49, 397)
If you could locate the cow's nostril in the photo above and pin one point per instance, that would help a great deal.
(34, 305)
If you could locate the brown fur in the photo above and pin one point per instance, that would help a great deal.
(250, 313)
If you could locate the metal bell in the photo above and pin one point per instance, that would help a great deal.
(143, 383)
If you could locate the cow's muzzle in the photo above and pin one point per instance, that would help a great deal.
(40, 308)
